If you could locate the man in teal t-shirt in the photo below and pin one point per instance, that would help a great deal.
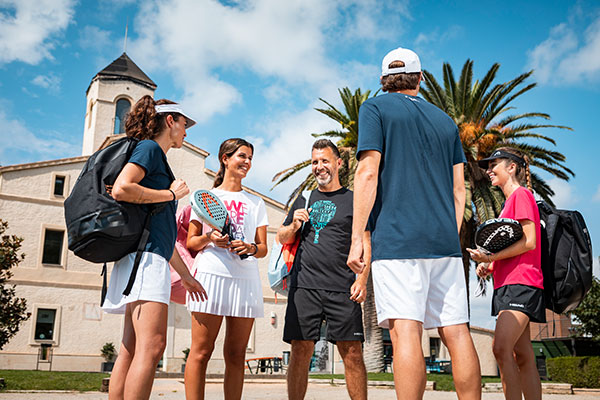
(409, 185)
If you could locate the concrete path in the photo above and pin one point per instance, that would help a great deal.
(172, 389)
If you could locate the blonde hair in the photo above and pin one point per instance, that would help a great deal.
(523, 174)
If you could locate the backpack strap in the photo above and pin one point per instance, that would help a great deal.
(140, 250)
(104, 285)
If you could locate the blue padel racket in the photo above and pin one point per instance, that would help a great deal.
(211, 210)
(497, 234)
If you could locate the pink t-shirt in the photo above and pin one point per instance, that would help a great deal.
(526, 268)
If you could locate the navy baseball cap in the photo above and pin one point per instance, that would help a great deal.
(501, 154)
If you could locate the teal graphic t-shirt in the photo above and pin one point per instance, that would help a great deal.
(321, 258)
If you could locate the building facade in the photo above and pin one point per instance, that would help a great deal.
(63, 291)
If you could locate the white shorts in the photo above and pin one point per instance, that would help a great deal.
(430, 290)
(152, 282)
(229, 297)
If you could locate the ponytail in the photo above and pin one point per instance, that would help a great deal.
(527, 174)
(143, 122)
(228, 148)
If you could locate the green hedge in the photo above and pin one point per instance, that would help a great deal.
(582, 372)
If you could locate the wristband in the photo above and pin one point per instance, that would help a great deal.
(255, 249)
(173, 193)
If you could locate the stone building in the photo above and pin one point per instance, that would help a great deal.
(63, 291)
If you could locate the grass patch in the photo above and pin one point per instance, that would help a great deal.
(45, 380)
(443, 381)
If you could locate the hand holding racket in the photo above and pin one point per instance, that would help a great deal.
(491, 237)
(211, 210)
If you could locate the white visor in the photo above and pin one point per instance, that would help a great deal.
(175, 108)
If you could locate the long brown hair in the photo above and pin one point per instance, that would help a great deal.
(143, 122)
(228, 148)
(523, 174)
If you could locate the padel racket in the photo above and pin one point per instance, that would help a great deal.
(497, 234)
(211, 210)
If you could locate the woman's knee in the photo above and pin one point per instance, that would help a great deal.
(234, 353)
(153, 347)
(201, 354)
(502, 351)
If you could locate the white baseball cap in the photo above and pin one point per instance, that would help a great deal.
(408, 57)
(175, 108)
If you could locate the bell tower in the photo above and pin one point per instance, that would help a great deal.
(110, 96)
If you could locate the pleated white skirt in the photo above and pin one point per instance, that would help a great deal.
(152, 282)
(229, 297)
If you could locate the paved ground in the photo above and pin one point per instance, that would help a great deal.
(172, 389)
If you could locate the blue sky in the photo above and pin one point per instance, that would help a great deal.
(256, 69)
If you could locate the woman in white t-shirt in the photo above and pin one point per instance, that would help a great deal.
(232, 284)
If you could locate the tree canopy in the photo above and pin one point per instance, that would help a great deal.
(12, 308)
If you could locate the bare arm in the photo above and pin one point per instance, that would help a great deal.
(127, 187)
(287, 233)
(358, 291)
(189, 283)
(365, 191)
(459, 193)
(260, 239)
(197, 241)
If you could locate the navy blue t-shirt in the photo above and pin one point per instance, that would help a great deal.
(163, 227)
(413, 215)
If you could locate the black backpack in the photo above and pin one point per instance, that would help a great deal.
(99, 228)
(566, 258)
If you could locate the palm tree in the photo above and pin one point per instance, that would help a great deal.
(479, 110)
(347, 140)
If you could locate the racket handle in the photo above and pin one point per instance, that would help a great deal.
(243, 256)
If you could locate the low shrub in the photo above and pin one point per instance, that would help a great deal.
(582, 372)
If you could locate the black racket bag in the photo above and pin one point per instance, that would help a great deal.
(99, 228)
(566, 258)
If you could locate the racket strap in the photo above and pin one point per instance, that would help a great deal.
(104, 285)
(138, 254)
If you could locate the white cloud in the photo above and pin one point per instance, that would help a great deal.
(92, 37)
(50, 82)
(563, 58)
(564, 194)
(289, 143)
(202, 41)
(596, 197)
(27, 28)
(596, 267)
(20, 145)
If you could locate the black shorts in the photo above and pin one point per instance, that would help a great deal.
(307, 308)
(527, 299)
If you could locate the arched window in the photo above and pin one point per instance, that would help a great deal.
(123, 107)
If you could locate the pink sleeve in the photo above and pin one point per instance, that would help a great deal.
(524, 205)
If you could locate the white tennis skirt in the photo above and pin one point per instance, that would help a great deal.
(152, 282)
(229, 297)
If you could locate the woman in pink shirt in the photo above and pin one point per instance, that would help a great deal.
(518, 280)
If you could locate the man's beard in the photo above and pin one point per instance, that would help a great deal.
(324, 181)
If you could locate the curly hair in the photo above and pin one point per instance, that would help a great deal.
(399, 82)
(143, 122)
